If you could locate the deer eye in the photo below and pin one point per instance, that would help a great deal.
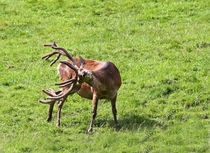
(84, 73)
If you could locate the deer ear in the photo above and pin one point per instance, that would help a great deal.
(82, 61)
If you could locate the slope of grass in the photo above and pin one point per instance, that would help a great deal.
(160, 47)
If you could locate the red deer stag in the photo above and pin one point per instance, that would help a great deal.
(91, 79)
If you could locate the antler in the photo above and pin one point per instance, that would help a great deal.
(73, 83)
(58, 50)
(54, 96)
(49, 92)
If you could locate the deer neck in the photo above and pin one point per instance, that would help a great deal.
(91, 78)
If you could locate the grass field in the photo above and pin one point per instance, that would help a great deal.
(161, 48)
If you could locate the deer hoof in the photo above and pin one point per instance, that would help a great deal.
(117, 128)
(90, 131)
(48, 119)
(58, 124)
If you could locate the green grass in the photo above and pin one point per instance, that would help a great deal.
(161, 49)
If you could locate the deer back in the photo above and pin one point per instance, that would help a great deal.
(107, 82)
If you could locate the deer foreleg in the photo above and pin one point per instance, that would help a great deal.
(60, 104)
(94, 112)
(49, 117)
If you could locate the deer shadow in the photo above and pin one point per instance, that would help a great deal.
(131, 122)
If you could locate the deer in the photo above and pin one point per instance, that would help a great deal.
(90, 79)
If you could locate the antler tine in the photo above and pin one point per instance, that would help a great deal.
(54, 43)
(49, 54)
(67, 54)
(50, 92)
(66, 84)
(82, 61)
(51, 44)
(48, 44)
(53, 62)
(70, 80)
(63, 95)
(47, 101)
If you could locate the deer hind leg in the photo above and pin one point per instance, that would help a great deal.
(60, 104)
(114, 111)
(94, 112)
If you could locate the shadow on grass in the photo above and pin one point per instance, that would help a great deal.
(130, 122)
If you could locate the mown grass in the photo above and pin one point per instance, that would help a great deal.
(161, 49)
